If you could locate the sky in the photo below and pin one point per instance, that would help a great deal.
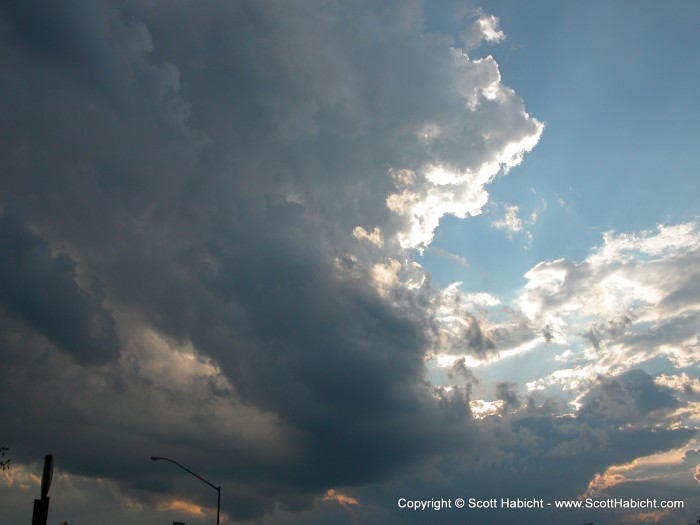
(335, 256)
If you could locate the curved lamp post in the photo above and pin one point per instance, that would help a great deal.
(218, 489)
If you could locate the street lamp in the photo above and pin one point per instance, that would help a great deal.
(218, 489)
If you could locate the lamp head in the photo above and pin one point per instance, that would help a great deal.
(155, 458)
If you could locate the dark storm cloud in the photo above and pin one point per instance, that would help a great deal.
(631, 397)
(328, 353)
(507, 393)
(40, 290)
(535, 452)
(593, 431)
(202, 170)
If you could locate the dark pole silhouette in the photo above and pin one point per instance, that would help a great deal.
(218, 489)
(41, 506)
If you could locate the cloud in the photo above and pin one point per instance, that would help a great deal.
(630, 299)
(630, 398)
(510, 222)
(683, 383)
(462, 261)
(542, 453)
(616, 416)
(209, 221)
(459, 330)
(456, 185)
(375, 236)
(341, 499)
(191, 180)
(41, 290)
(485, 28)
(506, 392)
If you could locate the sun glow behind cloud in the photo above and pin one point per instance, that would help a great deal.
(656, 467)
(333, 495)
